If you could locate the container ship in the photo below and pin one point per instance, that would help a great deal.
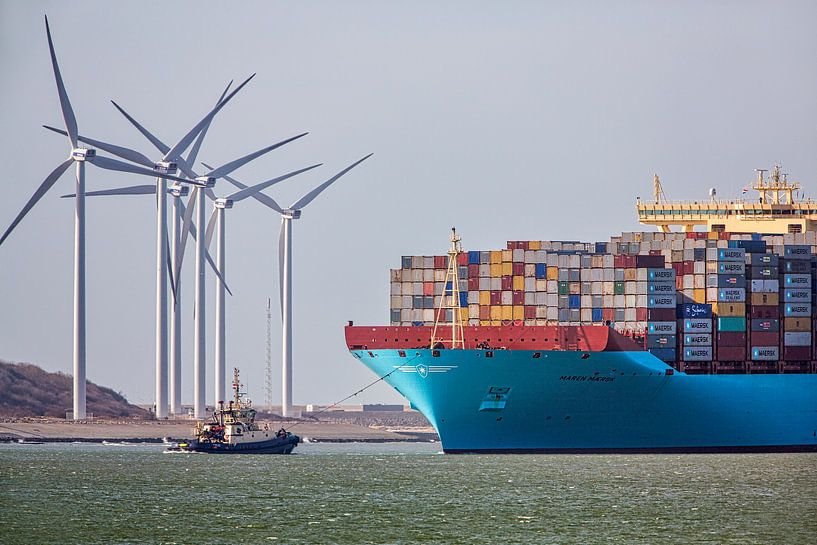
(690, 341)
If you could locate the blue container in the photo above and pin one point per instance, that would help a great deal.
(406, 262)
(417, 301)
(395, 315)
(473, 258)
(731, 281)
(541, 270)
(574, 301)
(597, 315)
(751, 246)
(449, 287)
(601, 247)
(694, 310)
(463, 298)
(664, 354)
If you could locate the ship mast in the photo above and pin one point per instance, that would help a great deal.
(451, 299)
(770, 193)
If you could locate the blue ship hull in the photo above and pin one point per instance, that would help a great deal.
(568, 401)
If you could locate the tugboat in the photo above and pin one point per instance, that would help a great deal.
(233, 430)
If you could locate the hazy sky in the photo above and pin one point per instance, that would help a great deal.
(510, 120)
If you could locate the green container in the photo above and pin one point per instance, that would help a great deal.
(563, 288)
(619, 288)
(732, 323)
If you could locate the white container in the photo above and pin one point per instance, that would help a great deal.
(697, 353)
(697, 339)
(765, 353)
(797, 338)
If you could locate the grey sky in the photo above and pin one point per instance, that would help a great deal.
(510, 120)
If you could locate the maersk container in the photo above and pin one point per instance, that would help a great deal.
(697, 339)
(763, 273)
(765, 324)
(664, 354)
(661, 341)
(697, 353)
(731, 280)
(795, 295)
(661, 287)
(795, 266)
(750, 246)
(765, 353)
(735, 295)
(731, 324)
(661, 328)
(797, 309)
(791, 280)
(731, 267)
(692, 325)
(694, 310)
(732, 254)
(797, 251)
(797, 338)
(661, 301)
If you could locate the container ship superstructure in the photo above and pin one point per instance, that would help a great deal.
(652, 342)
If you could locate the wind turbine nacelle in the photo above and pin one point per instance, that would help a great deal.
(292, 214)
(179, 190)
(204, 181)
(223, 203)
(83, 154)
(165, 167)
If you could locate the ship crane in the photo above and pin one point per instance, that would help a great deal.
(450, 300)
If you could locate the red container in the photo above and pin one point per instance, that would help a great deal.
(723, 235)
(655, 252)
(731, 353)
(519, 298)
(678, 268)
(641, 314)
(660, 314)
(649, 261)
(485, 312)
(428, 288)
(518, 269)
(473, 271)
(440, 261)
(679, 280)
(462, 259)
(618, 261)
(608, 314)
(530, 312)
(764, 338)
(796, 353)
(757, 311)
(522, 245)
(473, 284)
(512, 244)
(507, 283)
(496, 298)
(689, 267)
(731, 338)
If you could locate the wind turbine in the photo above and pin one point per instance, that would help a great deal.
(197, 201)
(79, 156)
(217, 221)
(285, 271)
(168, 164)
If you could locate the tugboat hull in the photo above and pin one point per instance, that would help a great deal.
(277, 445)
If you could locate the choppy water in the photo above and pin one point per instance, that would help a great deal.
(400, 493)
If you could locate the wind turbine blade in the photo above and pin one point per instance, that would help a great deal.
(182, 144)
(44, 187)
(112, 164)
(187, 228)
(67, 111)
(281, 269)
(194, 151)
(170, 271)
(249, 191)
(260, 197)
(208, 236)
(213, 266)
(232, 165)
(146, 133)
(306, 199)
(132, 190)
(125, 153)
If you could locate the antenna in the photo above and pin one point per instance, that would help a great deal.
(451, 299)
(268, 369)
(658, 191)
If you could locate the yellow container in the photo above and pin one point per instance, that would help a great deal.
(507, 312)
(465, 314)
(496, 312)
(496, 270)
(496, 322)
(507, 268)
(518, 313)
(519, 283)
(534, 245)
(485, 322)
(485, 298)
(699, 295)
(724, 310)
(712, 235)
(797, 324)
(767, 299)
(496, 256)
(552, 273)
(507, 256)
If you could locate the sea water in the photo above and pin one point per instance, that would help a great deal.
(400, 493)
